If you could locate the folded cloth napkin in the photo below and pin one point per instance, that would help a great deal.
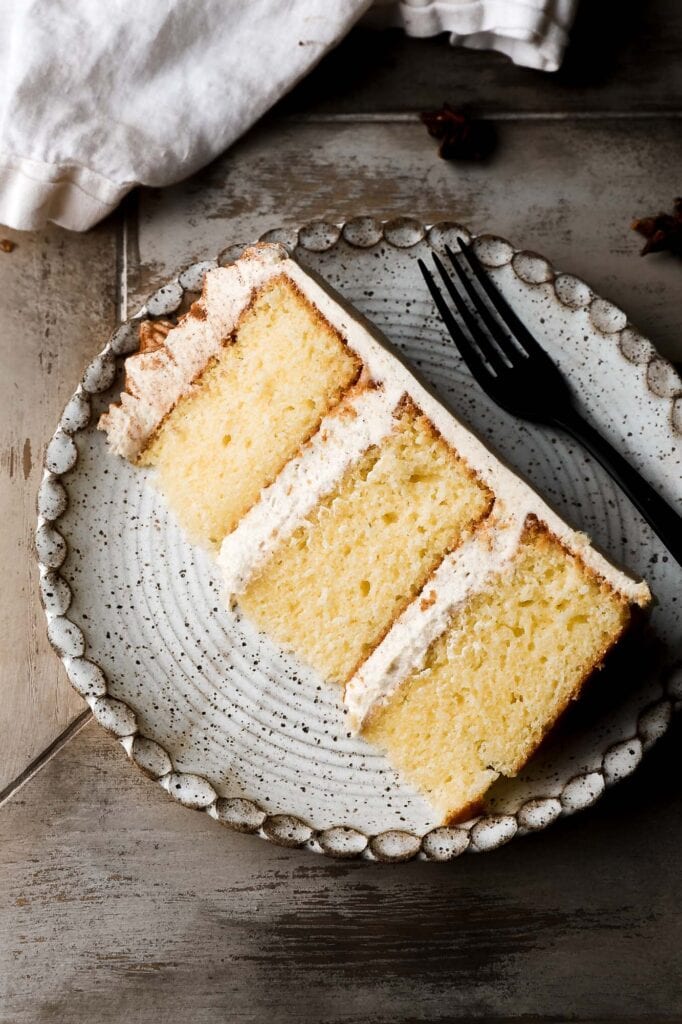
(532, 32)
(99, 98)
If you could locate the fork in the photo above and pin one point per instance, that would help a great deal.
(516, 372)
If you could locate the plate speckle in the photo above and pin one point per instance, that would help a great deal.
(227, 722)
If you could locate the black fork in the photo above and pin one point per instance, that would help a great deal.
(516, 372)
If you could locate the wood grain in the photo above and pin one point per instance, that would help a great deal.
(118, 904)
(57, 302)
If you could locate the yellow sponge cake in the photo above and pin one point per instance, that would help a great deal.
(366, 530)
(490, 686)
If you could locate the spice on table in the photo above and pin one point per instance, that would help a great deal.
(461, 136)
(663, 232)
(6, 245)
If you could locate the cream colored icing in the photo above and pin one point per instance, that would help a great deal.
(156, 384)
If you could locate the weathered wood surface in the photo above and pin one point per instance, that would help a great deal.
(57, 301)
(119, 905)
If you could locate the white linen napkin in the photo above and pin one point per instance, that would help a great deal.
(533, 33)
(98, 98)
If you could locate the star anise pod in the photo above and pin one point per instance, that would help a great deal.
(461, 136)
(663, 232)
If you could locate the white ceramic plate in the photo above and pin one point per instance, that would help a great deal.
(228, 723)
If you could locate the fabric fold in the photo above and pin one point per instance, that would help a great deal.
(96, 100)
(533, 33)
(33, 193)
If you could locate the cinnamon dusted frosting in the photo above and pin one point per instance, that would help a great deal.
(157, 380)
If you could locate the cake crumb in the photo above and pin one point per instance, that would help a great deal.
(6, 245)
(427, 602)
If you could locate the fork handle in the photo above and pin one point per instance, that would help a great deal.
(660, 516)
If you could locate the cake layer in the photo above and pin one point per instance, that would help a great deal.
(330, 591)
(263, 395)
(513, 655)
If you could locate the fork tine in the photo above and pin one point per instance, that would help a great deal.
(499, 331)
(480, 338)
(521, 333)
(467, 350)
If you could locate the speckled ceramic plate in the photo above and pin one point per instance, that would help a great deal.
(229, 724)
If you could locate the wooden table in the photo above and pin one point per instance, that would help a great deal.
(115, 903)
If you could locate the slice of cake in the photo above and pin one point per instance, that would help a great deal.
(366, 530)
(475, 702)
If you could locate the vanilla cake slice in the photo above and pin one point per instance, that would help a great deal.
(366, 530)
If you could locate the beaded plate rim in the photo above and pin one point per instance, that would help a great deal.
(240, 814)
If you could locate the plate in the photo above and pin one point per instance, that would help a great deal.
(229, 724)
